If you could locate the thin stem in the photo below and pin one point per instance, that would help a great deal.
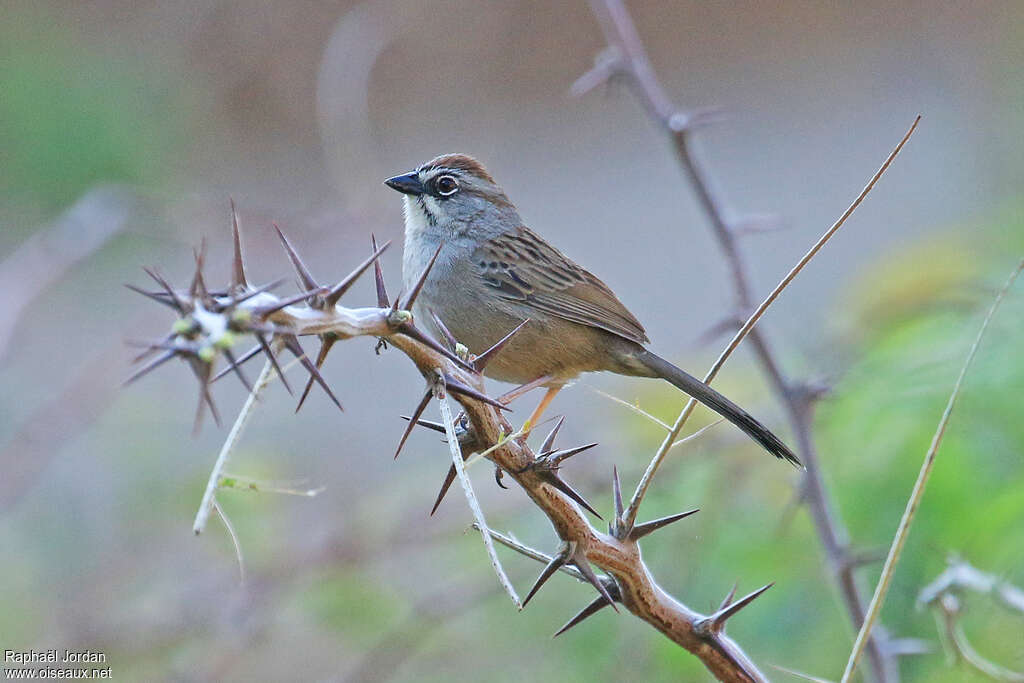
(225, 450)
(234, 539)
(474, 504)
(659, 456)
(697, 434)
(629, 406)
(914, 501)
(532, 553)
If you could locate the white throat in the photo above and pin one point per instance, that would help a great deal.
(421, 238)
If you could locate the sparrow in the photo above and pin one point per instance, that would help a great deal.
(492, 272)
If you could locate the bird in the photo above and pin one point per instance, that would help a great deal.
(491, 273)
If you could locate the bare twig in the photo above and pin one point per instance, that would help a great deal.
(943, 596)
(630, 406)
(229, 445)
(697, 434)
(532, 553)
(45, 256)
(234, 540)
(474, 505)
(626, 57)
(659, 456)
(917, 492)
(960, 575)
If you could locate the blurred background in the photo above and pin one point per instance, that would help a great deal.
(125, 127)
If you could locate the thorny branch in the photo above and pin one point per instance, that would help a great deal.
(210, 323)
(625, 57)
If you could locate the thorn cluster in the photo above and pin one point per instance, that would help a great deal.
(210, 321)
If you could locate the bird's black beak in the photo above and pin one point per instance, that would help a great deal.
(406, 184)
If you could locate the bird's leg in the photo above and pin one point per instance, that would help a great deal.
(513, 394)
(539, 410)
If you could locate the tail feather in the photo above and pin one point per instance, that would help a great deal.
(686, 382)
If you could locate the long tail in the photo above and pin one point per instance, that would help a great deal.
(718, 403)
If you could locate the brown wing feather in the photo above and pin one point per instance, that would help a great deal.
(526, 268)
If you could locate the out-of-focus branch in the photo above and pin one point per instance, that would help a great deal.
(627, 58)
(748, 326)
(46, 256)
(916, 494)
(943, 596)
(210, 322)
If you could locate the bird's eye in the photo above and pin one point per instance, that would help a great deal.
(446, 185)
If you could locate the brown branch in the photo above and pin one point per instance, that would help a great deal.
(211, 323)
(626, 57)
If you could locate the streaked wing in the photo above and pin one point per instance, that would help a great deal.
(524, 268)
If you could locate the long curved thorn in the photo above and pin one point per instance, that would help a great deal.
(410, 330)
(326, 342)
(307, 278)
(499, 474)
(234, 365)
(716, 622)
(291, 343)
(248, 355)
(558, 456)
(197, 290)
(273, 361)
(149, 367)
(201, 369)
(727, 600)
(448, 479)
(410, 298)
(414, 420)
(208, 398)
(641, 530)
(158, 297)
(238, 280)
(584, 566)
(549, 440)
(435, 426)
(248, 294)
(594, 607)
(150, 349)
(445, 332)
(378, 276)
(179, 303)
(552, 567)
(481, 361)
(338, 290)
(289, 301)
(169, 343)
(617, 496)
(560, 484)
(457, 387)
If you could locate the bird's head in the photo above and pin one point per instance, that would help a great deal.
(452, 196)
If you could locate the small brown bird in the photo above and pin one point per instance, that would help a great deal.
(493, 272)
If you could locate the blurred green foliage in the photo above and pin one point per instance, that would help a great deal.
(73, 117)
